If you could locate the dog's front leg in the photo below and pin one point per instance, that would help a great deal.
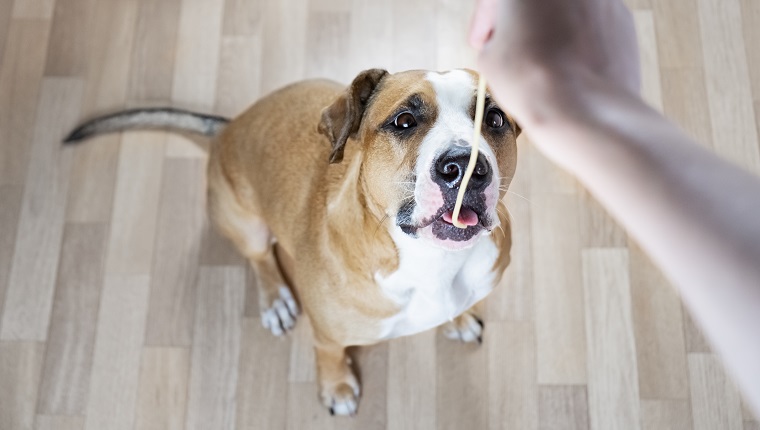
(338, 387)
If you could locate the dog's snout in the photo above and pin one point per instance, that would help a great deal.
(451, 165)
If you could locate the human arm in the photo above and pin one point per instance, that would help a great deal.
(567, 72)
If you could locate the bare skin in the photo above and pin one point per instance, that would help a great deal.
(569, 71)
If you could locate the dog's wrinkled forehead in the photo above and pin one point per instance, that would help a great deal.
(436, 92)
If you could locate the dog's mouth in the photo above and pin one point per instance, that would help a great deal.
(440, 226)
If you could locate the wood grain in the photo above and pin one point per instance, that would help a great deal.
(23, 63)
(71, 38)
(135, 206)
(715, 401)
(613, 393)
(563, 407)
(461, 385)
(10, 207)
(560, 337)
(665, 415)
(116, 357)
(412, 382)
(20, 368)
(216, 349)
(239, 78)
(727, 77)
(32, 279)
(262, 386)
(151, 75)
(68, 359)
(162, 393)
(176, 247)
(651, 86)
(513, 395)
(660, 344)
(58, 422)
(407, 27)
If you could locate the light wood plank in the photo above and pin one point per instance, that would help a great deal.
(371, 35)
(216, 348)
(453, 50)
(751, 26)
(598, 228)
(412, 382)
(730, 103)
(327, 46)
(216, 250)
(93, 175)
(20, 367)
(660, 344)
(116, 360)
(239, 80)
(22, 67)
(563, 407)
(68, 360)
(243, 18)
(560, 337)
(513, 298)
(462, 393)
(92, 180)
(162, 394)
(407, 27)
(545, 176)
(42, 9)
(651, 88)
(6, 8)
(715, 400)
(71, 38)
(512, 389)
(176, 253)
(262, 388)
(283, 44)
(751, 425)
(684, 100)
(152, 71)
(58, 422)
(197, 54)
(665, 415)
(679, 39)
(10, 208)
(613, 394)
(135, 207)
(35, 259)
(305, 411)
(695, 339)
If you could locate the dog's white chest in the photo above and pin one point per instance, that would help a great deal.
(434, 285)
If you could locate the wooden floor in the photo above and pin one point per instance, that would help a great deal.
(119, 309)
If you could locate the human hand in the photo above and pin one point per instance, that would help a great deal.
(532, 49)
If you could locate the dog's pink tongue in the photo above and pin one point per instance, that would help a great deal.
(466, 216)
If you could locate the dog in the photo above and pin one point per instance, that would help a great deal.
(341, 199)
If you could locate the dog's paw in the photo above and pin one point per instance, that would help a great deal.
(280, 316)
(466, 328)
(341, 398)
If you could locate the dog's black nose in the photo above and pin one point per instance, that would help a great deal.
(451, 165)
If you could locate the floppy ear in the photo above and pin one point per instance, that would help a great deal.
(342, 118)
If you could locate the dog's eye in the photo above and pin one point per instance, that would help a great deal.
(494, 118)
(404, 120)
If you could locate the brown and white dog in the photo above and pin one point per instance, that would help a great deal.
(343, 198)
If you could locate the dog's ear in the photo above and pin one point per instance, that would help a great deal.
(342, 118)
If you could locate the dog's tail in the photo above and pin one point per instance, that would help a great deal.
(150, 118)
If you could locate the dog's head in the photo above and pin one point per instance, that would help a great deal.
(416, 131)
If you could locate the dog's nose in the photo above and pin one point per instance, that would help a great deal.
(451, 165)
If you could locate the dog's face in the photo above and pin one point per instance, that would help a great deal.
(416, 131)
